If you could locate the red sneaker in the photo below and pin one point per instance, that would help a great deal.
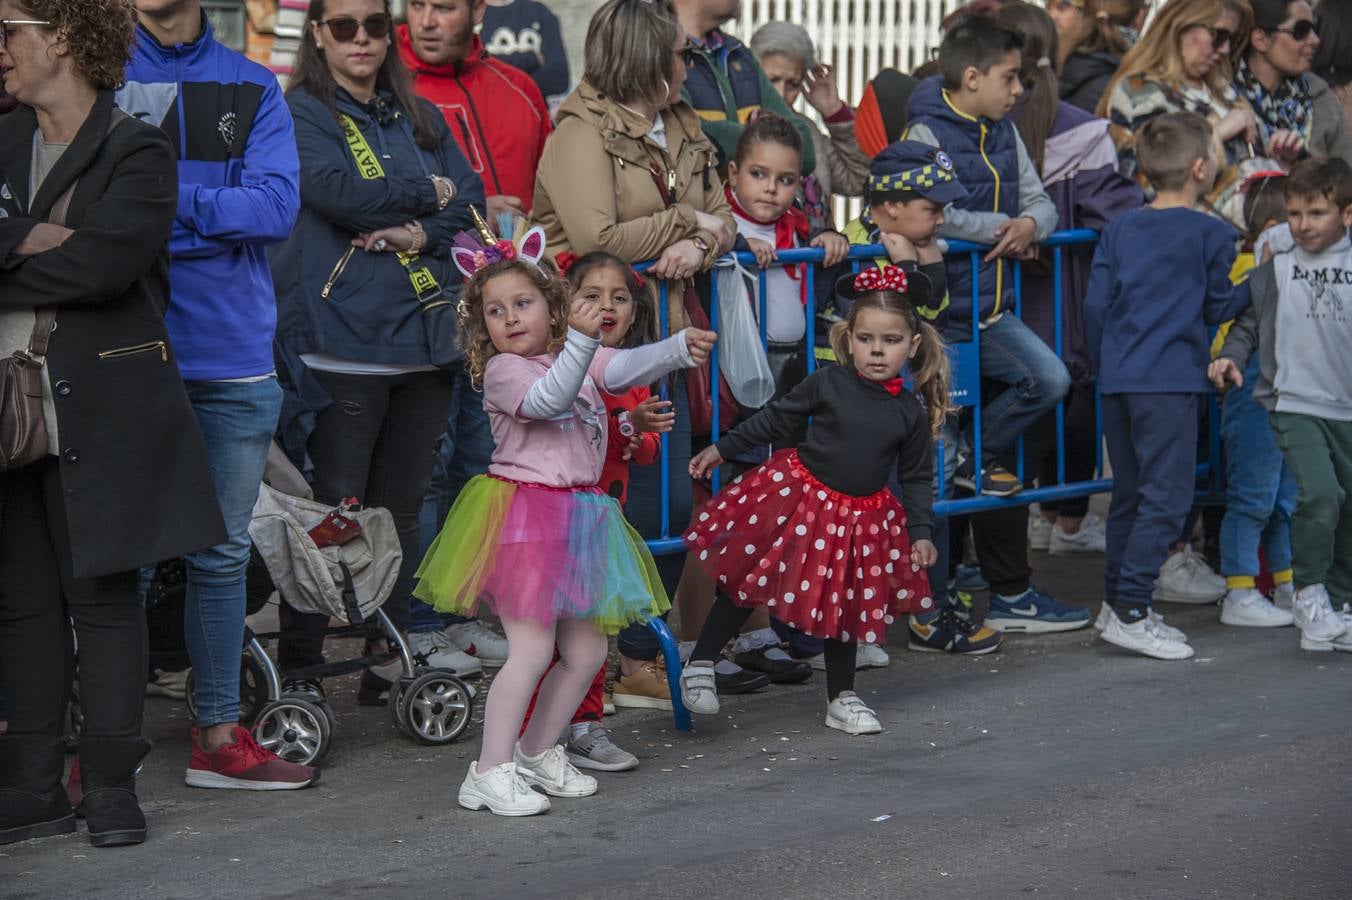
(245, 766)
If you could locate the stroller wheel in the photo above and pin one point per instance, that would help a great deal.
(397, 704)
(253, 690)
(294, 728)
(435, 708)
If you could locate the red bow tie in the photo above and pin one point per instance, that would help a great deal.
(892, 385)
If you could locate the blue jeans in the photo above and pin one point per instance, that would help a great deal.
(1013, 355)
(1260, 492)
(465, 450)
(237, 421)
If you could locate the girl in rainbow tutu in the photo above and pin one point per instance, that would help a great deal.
(535, 539)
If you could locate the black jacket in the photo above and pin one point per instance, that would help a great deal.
(133, 466)
(1085, 77)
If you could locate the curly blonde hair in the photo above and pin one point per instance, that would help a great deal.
(98, 33)
(474, 337)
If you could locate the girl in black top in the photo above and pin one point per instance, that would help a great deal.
(814, 533)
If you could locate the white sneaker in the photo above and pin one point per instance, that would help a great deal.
(1314, 615)
(1186, 578)
(849, 714)
(1283, 595)
(1091, 538)
(502, 790)
(868, 656)
(1342, 642)
(434, 650)
(699, 692)
(1144, 637)
(1247, 607)
(479, 641)
(553, 772)
(1039, 531)
(1169, 631)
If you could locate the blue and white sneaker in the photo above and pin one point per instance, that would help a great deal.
(1035, 613)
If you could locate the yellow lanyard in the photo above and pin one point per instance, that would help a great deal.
(425, 286)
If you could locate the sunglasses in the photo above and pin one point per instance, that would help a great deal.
(344, 28)
(1221, 37)
(1299, 31)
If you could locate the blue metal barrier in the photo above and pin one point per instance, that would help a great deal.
(966, 392)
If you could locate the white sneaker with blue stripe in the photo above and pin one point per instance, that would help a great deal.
(1034, 613)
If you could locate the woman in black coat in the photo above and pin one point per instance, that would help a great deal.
(126, 481)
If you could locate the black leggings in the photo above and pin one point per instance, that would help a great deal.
(727, 618)
(376, 442)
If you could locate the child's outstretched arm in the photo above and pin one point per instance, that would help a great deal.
(624, 369)
(1242, 338)
(780, 419)
(915, 473)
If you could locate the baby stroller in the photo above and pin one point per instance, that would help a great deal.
(348, 581)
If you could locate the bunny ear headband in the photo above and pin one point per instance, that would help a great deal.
(475, 251)
(871, 280)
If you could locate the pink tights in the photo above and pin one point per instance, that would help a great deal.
(582, 650)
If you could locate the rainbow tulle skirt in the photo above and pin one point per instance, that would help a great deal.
(530, 551)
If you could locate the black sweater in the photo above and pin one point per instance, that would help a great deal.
(857, 433)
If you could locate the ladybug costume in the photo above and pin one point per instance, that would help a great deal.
(814, 533)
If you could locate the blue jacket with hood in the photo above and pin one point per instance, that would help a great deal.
(238, 191)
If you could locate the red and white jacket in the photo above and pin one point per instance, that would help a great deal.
(496, 112)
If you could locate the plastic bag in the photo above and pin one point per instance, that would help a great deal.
(741, 356)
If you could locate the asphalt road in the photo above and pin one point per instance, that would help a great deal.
(1058, 767)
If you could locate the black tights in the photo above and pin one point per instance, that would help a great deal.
(727, 618)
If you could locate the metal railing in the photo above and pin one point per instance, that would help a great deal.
(965, 391)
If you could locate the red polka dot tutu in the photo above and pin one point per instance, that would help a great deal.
(828, 564)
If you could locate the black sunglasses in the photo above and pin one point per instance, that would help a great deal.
(1299, 31)
(344, 28)
(1221, 37)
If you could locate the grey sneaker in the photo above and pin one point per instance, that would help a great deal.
(595, 750)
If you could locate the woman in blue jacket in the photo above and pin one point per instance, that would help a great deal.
(366, 289)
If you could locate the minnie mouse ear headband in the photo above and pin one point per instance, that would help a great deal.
(872, 280)
(474, 251)
(566, 259)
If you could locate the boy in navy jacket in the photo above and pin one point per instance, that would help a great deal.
(1160, 277)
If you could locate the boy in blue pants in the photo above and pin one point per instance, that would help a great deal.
(1160, 276)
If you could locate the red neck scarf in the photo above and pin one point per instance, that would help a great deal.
(793, 224)
(892, 385)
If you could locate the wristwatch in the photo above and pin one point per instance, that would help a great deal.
(703, 245)
(445, 189)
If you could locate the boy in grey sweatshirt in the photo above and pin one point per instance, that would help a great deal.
(1301, 324)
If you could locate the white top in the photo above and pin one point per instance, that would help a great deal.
(785, 319)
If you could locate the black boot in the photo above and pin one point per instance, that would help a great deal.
(32, 802)
(108, 770)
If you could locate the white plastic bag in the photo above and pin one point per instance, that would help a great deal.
(741, 356)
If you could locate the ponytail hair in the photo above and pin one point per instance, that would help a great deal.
(1038, 73)
(930, 369)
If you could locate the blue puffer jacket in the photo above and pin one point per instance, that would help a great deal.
(985, 155)
(371, 313)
